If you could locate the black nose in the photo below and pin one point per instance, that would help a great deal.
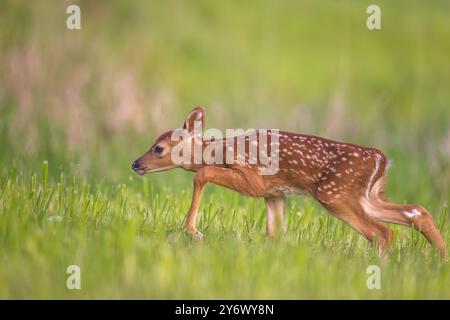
(136, 165)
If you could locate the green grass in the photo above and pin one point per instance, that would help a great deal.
(129, 243)
(91, 101)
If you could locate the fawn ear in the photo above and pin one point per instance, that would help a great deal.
(193, 118)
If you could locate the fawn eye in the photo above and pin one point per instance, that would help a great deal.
(159, 150)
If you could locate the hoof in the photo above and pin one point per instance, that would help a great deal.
(196, 235)
(199, 235)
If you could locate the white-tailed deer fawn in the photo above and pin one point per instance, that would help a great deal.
(348, 180)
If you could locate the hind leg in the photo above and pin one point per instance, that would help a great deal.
(352, 213)
(414, 216)
(343, 184)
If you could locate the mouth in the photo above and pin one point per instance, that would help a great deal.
(140, 171)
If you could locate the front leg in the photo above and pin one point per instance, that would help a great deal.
(190, 226)
(224, 177)
(275, 216)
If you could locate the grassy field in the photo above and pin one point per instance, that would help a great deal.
(78, 106)
(129, 243)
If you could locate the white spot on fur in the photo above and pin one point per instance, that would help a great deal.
(413, 213)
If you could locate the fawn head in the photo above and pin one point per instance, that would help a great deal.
(159, 156)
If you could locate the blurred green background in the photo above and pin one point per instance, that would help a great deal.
(91, 101)
(97, 97)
